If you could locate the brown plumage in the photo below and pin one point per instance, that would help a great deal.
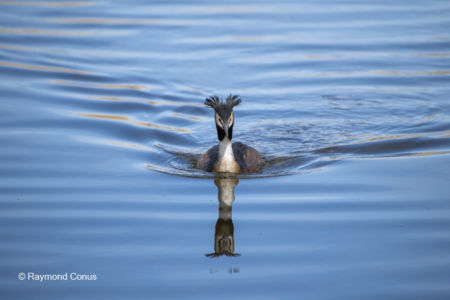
(248, 159)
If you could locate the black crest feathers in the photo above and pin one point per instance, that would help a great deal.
(217, 104)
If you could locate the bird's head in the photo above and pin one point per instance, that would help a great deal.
(224, 115)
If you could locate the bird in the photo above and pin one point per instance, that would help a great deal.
(228, 156)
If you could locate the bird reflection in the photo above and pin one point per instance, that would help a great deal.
(224, 234)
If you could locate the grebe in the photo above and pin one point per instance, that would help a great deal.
(227, 156)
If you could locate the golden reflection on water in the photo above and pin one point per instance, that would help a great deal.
(401, 136)
(340, 55)
(363, 138)
(127, 86)
(411, 73)
(107, 86)
(122, 144)
(252, 39)
(50, 32)
(174, 103)
(119, 21)
(429, 118)
(145, 101)
(131, 121)
(41, 68)
(183, 116)
(444, 134)
(159, 169)
(388, 73)
(129, 145)
(381, 156)
(192, 90)
(357, 73)
(416, 154)
(230, 9)
(48, 3)
(434, 54)
(10, 47)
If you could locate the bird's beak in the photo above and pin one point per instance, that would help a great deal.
(225, 128)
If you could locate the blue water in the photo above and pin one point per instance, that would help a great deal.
(102, 122)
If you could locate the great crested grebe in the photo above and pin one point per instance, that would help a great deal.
(227, 156)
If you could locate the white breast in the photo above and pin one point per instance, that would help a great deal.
(226, 161)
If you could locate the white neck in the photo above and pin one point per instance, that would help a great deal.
(226, 161)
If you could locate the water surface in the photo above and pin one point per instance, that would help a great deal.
(102, 123)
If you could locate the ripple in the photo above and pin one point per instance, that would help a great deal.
(48, 3)
(120, 21)
(53, 32)
(41, 68)
(106, 86)
(355, 73)
(296, 131)
(307, 154)
(134, 122)
(347, 102)
(392, 146)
